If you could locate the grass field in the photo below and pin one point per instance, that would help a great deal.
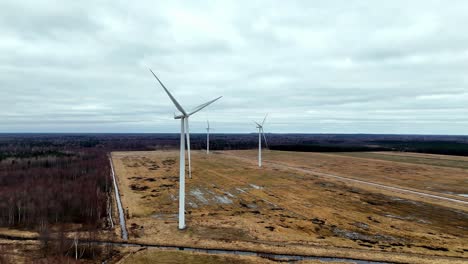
(376, 167)
(175, 257)
(233, 204)
(172, 257)
(414, 158)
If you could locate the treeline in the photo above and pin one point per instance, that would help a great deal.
(41, 190)
(32, 145)
(432, 147)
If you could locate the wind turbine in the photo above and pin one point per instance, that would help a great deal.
(260, 133)
(184, 132)
(208, 137)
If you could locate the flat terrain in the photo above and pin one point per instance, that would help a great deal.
(407, 170)
(233, 204)
(414, 158)
(172, 257)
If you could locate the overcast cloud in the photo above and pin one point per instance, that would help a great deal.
(315, 66)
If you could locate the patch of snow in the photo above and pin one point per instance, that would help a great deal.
(164, 216)
(240, 190)
(192, 204)
(463, 195)
(229, 194)
(223, 199)
(256, 186)
(422, 221)
(397, 217)
(199, 195)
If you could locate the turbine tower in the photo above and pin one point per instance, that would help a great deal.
(184, 132)
(208, 137)
(260, 133)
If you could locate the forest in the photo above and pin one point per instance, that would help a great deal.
(54, 187)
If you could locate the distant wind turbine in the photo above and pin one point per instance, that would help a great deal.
(260, 133)
(184, 132)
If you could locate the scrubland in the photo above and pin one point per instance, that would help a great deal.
(232, 204)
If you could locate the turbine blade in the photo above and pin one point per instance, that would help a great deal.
(257, 124)
(179, 107)
(208, 122)
(200, 107)
(264, 119)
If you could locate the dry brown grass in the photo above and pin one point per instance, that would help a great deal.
(18, 233)
(233, 204)
(147, 256)
(424, 155)
(444, 181)
(174, 257)
(414, 158)
(18, 251)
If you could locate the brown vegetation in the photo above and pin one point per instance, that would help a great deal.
(35, 192)
(233, 204)
(412, 173)
(47, 194)
(170, 257)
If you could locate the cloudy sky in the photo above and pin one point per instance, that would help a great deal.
(314, 66)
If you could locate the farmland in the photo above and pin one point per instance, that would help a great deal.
(411, 171)
(232, 204)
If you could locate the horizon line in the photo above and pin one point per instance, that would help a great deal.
(247, 133)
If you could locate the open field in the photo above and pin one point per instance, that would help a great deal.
(232, 204)
(443, 181)
(414, 158)
(16, 252)
(169, 257)
(148, 256)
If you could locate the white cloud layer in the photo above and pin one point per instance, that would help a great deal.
(315, 66)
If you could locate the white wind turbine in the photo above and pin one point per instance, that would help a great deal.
(208, 137)
(184, 132)
(260, 133)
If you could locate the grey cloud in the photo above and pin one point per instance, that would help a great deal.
(316, 66)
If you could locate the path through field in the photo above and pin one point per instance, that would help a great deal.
(119, 204)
